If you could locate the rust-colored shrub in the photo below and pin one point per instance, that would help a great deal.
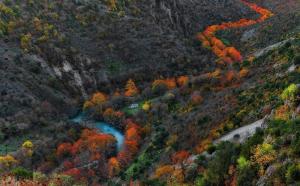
(131, 89)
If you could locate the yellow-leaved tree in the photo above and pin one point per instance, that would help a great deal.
(146, 106)
(97, 99)
(28, 148)
(263, 155)
(7, 161)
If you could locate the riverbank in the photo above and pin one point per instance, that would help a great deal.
(101, 126)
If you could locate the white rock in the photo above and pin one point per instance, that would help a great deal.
(67, 66)
(57, 72)
(292, 68)
(79, 83)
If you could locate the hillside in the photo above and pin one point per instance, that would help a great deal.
(111, 92)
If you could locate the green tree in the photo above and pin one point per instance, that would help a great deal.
(290, 93)
(243, 163)
(246, 176)
(200, 181)
(218, 168)
(293, 173)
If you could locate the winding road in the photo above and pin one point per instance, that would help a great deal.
(242, 133)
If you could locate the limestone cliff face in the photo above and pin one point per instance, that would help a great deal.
(101, 50)
(154, 35)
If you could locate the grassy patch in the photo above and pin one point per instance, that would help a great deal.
(132, 111)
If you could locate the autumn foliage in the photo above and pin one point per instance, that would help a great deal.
(110, 113)
(95, 141)
(97, 99)
(170, 83)
(74, 172)
(176, 170)
(7, 161)
(180, 156)
(282, 112)
(196, 98)
(164, 171)
(230, 75)
(97, 146)
(27, 148)
(90, 140)
(265, 14)
(243, 73)
(131, 143)
(64, 149)
(113, 166)
(182, 80)
(206, 142)
(131, 89)
(229, 54)
(94, 145)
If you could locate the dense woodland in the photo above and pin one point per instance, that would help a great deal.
(172, 76)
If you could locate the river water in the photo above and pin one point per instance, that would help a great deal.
(103, 127)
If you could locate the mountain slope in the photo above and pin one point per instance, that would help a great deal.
(139, 65)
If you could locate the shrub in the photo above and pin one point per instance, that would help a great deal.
(146, 106)
(163, 170)
(21, 173)
(297, 60)
(26, 42)
(290, 92)
(242, 162)
(131, 89)
(201, 160)
(7, 161)
(180, 156)
(200, 181)
(39, 177)
(246, 176)
(295, 147)
(245, 63)
(27, 144)
(64, 179)
(293, 173)
(218, 167)
(254, 140)
(243, 72)
(97, 99)
(211, 149)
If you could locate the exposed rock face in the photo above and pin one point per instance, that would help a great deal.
(100, 50)
(153, 39)
(264, 51)
(263, 180)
